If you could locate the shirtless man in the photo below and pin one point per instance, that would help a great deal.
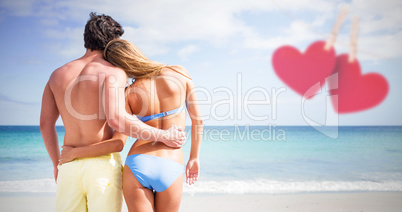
(88, 94)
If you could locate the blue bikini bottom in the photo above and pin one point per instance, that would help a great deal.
(154, 172)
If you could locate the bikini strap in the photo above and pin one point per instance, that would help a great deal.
(160, 115)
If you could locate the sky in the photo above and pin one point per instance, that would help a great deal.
(226, 45)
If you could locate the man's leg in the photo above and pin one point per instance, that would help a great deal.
(70, 196)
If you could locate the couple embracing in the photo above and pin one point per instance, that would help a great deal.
(99, 112)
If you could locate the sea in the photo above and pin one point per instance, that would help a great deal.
(242, 160)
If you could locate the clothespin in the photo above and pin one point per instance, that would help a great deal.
(339, 21)
(353, 39)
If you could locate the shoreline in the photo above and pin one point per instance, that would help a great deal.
(314, 201)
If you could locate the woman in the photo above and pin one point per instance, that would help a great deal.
(153, 174)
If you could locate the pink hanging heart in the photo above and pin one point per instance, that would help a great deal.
(356, 92)
(302, 71)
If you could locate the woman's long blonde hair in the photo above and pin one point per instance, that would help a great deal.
(127, 56)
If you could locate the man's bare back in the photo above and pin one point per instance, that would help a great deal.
(77, 89)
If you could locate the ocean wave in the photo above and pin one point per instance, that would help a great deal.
(262, 186)
(29, 186)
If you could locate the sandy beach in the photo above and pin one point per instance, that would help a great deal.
(368, 201)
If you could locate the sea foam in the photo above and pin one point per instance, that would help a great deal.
(261, 186)
(37, 185)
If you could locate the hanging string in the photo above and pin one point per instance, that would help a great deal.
(353, 39)
(366, 52)
(334, 33)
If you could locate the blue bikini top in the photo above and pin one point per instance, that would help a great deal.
(160, 115)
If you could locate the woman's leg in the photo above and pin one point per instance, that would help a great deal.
(169, 199)
(138, 197)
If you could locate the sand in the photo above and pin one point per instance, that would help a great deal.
(367, 201)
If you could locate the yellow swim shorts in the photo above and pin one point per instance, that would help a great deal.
(90, 184)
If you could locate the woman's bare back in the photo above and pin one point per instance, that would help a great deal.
(156, 95)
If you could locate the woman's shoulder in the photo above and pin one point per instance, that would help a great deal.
(177, 69)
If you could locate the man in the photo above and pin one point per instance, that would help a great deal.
(88, 94)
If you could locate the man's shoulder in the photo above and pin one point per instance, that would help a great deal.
(76, 68)
(61, 71)
(105, 68)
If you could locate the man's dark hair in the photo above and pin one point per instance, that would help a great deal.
(99, 30)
